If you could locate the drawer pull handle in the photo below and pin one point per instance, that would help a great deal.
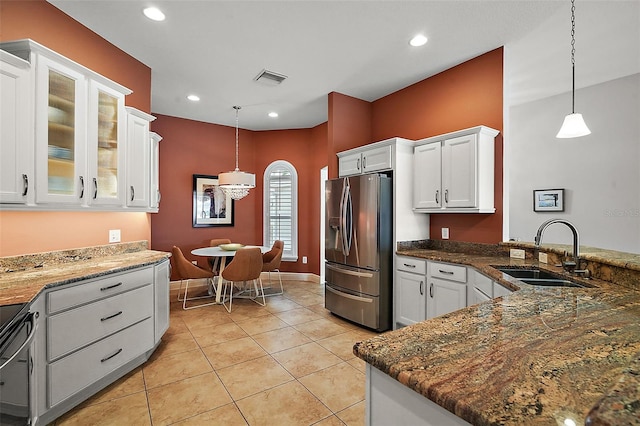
(25, 184)
(409, 266)
(421, 288)
(111, 356)
(445, 272)
(111, 316)
(109, 287)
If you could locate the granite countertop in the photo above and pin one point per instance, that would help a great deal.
(22, 278)
(538, 356)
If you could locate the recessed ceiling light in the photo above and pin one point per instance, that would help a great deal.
(193, 98)
(153, 13)
(419, 40)
(273, 114)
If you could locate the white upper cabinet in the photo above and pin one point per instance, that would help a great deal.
(16, 149)
(138, 158)
(154, 194)
(365, 160)
(454, 173)
(70, 125)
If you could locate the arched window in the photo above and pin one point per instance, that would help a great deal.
(281, 207)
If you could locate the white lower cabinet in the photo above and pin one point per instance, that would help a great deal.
(499, 290)
(447, 288)
(94, 331)
(410, 300)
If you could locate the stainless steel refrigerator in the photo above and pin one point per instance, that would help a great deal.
(358, 249)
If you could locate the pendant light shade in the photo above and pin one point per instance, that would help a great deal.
(236, 184)
(573, 125)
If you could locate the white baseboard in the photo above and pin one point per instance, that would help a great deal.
(286, 276)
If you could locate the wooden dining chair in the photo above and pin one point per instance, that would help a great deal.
(245, 266)
(188, 271)
(271, 263)
(214, 262)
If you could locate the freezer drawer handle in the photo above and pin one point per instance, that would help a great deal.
(445, 272)
(350, 296)
(347, 272)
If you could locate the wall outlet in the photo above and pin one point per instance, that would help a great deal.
(542, 257)
(445, 233)
(516, 253)
(304, 259)
(114, 235)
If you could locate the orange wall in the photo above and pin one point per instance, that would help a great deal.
(464, 96)
(349, 126)
(191, 147)
(33, 232)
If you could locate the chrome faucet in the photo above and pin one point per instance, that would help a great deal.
(568, 266)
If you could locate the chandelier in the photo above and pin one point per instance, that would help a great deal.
(236, 184)
(573, 125)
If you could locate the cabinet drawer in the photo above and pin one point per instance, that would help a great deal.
(71, 330)
(409, 264)
(484, 284)
(92, 290)
(78, 370)
(449, 272)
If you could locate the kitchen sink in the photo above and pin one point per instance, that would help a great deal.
(535, 276)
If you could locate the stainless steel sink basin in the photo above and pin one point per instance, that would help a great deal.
(535, 276)
(550, 282)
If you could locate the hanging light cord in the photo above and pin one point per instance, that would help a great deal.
(573, 56)
(237, 108)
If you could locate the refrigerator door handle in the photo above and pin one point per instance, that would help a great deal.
(349, 220)
(349, 272)
(349, 296)
(342, 217)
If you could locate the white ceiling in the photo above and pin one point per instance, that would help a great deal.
(359, 48)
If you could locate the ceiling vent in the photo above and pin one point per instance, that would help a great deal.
(270, 78)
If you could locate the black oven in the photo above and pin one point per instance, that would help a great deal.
(17, 330)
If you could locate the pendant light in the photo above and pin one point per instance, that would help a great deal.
(236, 184)
(573, 125)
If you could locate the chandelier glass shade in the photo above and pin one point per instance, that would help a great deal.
(573, 125)
(236, 184)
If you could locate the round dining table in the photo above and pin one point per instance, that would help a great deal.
(221, 255)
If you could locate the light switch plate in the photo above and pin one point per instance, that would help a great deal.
(114, 235)
(516, 253)
(542, 257)
(445, 233)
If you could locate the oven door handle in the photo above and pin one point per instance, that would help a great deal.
(28, 318)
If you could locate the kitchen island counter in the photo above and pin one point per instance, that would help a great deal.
(537, 356)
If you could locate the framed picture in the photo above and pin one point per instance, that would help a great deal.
(548, 200)
(211, 206)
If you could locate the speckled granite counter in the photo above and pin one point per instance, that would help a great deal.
(22, 278)
(537, 356)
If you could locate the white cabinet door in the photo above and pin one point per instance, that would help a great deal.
(377, 159)
(427, 186)
(350, 165)
(138, 158)
(499, 290)
(161, 298)
(410, 298)
(154, 194)
(444, 297)
(16, 139)
(459, 171)
(106, 147)
(61, 133)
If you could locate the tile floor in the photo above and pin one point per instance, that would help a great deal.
(289, 363)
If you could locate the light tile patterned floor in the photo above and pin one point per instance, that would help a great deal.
(289, 363)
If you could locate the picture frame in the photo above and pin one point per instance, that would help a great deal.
(211, 206)
(548, 200)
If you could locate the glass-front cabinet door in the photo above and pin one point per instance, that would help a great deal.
(60, 134)
(107, 133)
